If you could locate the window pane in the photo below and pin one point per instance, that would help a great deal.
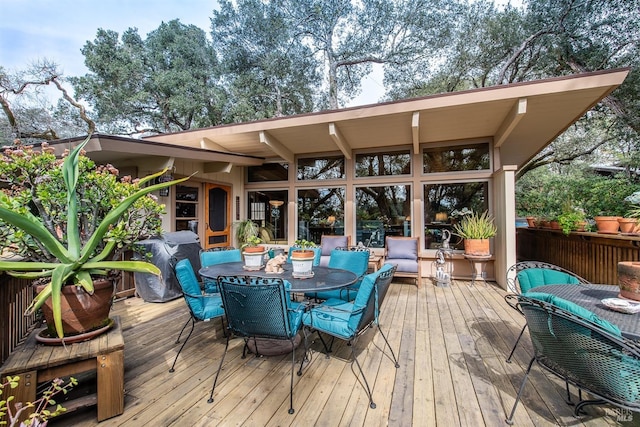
(320, 211)
(331, 167)
(458, 158)
(268, 172)
(382, 211)
(442, 202)
(380, 164)
(269, 210)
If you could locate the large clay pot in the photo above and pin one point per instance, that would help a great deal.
(629, 279)
(607, 224)
(81, 312)
(477, 247)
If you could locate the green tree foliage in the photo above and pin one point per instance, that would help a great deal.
(165, 83)
(268, 71)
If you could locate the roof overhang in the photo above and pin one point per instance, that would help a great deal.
(521, 118)
(130, 151)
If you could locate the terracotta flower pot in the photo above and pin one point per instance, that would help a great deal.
(531, 221)
(628, 225)
(81, 312)
(477, 247)
(607, 224)
(629, 279)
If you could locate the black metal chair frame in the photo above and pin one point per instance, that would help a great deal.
(368, 319)
(600, 344)
(235, 292)
(513, 285)
(193, 319)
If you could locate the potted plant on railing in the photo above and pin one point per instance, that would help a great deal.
(66, 223)
(572, 219)
(303, 254)
(476, 229)
(629, 224)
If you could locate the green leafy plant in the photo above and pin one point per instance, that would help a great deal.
(634, 200)
(247, 232)
(40, 407)
(67, 220)
(304, 244)
(570, 218)
(476, 226)
(252, 241)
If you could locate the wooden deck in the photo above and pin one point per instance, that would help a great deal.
(451, 342)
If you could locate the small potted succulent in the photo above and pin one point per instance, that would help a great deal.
(303, 253)
(476, 229)
(253, 253)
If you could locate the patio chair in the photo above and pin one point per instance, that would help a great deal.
(582, 349)
(257, 307)
(403, 252)
(217, 255)
(526, 275)
(348, 320)
(201, 307)
(356, 261)
(329, 243)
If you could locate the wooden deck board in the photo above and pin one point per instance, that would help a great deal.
(451, 344)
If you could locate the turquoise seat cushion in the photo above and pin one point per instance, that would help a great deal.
(203, 307)
(532, 277)
(577, 310)
(218, 257)
(339, 318)
(211, 307)
(354, 261)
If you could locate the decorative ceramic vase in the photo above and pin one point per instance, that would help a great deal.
(477, 247)
(628, 225)
(81, 312)
(607, 224)
(629, 279)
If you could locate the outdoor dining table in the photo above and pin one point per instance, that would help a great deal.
(324, 278)
(590, 297)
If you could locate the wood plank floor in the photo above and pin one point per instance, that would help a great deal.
(451, 344)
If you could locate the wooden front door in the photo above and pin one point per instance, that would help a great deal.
(217, 205)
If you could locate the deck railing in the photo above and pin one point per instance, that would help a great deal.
(15, 296)
(590, 255)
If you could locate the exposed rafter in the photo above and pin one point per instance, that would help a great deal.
(208, 144)
(277, 147)
(509, 123)
(415, 131)
(217, 167)
(339, 140)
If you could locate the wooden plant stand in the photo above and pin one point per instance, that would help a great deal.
(36, 363)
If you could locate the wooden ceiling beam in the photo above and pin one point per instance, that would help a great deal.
(509, 123)
(340, 140)
(277, 147)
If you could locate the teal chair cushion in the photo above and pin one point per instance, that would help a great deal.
(340, 318)
(577, 310)
(218, 257)
(203, 307)
(532, 277)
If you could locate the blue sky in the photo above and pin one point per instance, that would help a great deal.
(58, 29)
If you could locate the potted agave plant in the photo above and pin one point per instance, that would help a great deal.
(476, 229)
(66, 223)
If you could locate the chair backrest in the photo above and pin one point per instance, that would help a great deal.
(208, 258)
(256, 306)
(401, 247)
(587, 352)
(526, 275)
(354, 261)
(329, 243)
(383, 279)
(190, 287)
(357, 248)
